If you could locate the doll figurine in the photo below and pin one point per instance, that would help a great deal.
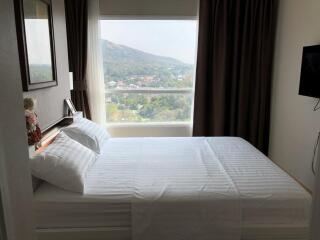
(32, 124)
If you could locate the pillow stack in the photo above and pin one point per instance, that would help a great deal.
(87, 133)
(65, 162)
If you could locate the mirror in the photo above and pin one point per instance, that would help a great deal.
(36, 43)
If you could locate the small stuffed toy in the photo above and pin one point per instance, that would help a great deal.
(32, 123)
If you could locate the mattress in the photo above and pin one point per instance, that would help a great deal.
(58, 208)
(268, 194)
(269, 198)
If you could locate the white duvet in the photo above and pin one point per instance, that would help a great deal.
(178, 189)
(183, 192)
(194, 188)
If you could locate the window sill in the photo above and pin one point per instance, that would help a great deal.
(150, 124)
(157, 129)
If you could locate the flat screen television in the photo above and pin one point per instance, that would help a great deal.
(310, 72)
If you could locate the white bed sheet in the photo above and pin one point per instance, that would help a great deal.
(181, 191)
(267, 195)
(58, 208)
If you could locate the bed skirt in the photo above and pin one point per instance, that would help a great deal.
(124, 233)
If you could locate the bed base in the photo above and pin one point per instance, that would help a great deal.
(101, 233)
(124, 233)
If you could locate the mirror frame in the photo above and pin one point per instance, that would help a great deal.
(23, 48)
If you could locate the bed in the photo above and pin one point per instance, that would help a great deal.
(159, 187)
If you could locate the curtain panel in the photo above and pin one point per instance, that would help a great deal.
(77, 33)
(95, 76)
(234, 69)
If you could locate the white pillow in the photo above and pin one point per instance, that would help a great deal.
(87, 133)
(64, 163)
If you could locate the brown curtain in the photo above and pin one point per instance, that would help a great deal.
(234, 67)
(77, 30)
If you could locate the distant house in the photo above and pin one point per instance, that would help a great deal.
(133, 86)
(112, 84)
(148, 79)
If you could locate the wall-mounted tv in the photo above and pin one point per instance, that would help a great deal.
(310, 72)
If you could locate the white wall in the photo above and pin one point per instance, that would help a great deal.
(294, 125)
(15, 177)
(146, 8)
(315, 230)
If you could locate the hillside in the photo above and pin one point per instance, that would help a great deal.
(117, 52)
(130, 67)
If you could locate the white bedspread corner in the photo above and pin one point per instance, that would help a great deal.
(183, 192)
(196, 188)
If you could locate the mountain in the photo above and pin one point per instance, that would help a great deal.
(116, 52)
(125, 64)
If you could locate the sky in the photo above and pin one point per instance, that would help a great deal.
(38, 41)
(169, 38)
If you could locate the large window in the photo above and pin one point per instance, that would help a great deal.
(149, 70)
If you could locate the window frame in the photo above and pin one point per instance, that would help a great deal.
(186, 91)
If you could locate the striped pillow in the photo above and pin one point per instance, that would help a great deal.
(64, 163)
(87, 133)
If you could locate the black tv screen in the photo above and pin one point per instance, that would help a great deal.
(310, 72)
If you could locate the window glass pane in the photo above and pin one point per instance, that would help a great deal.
(148, 55)
(138, 107)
